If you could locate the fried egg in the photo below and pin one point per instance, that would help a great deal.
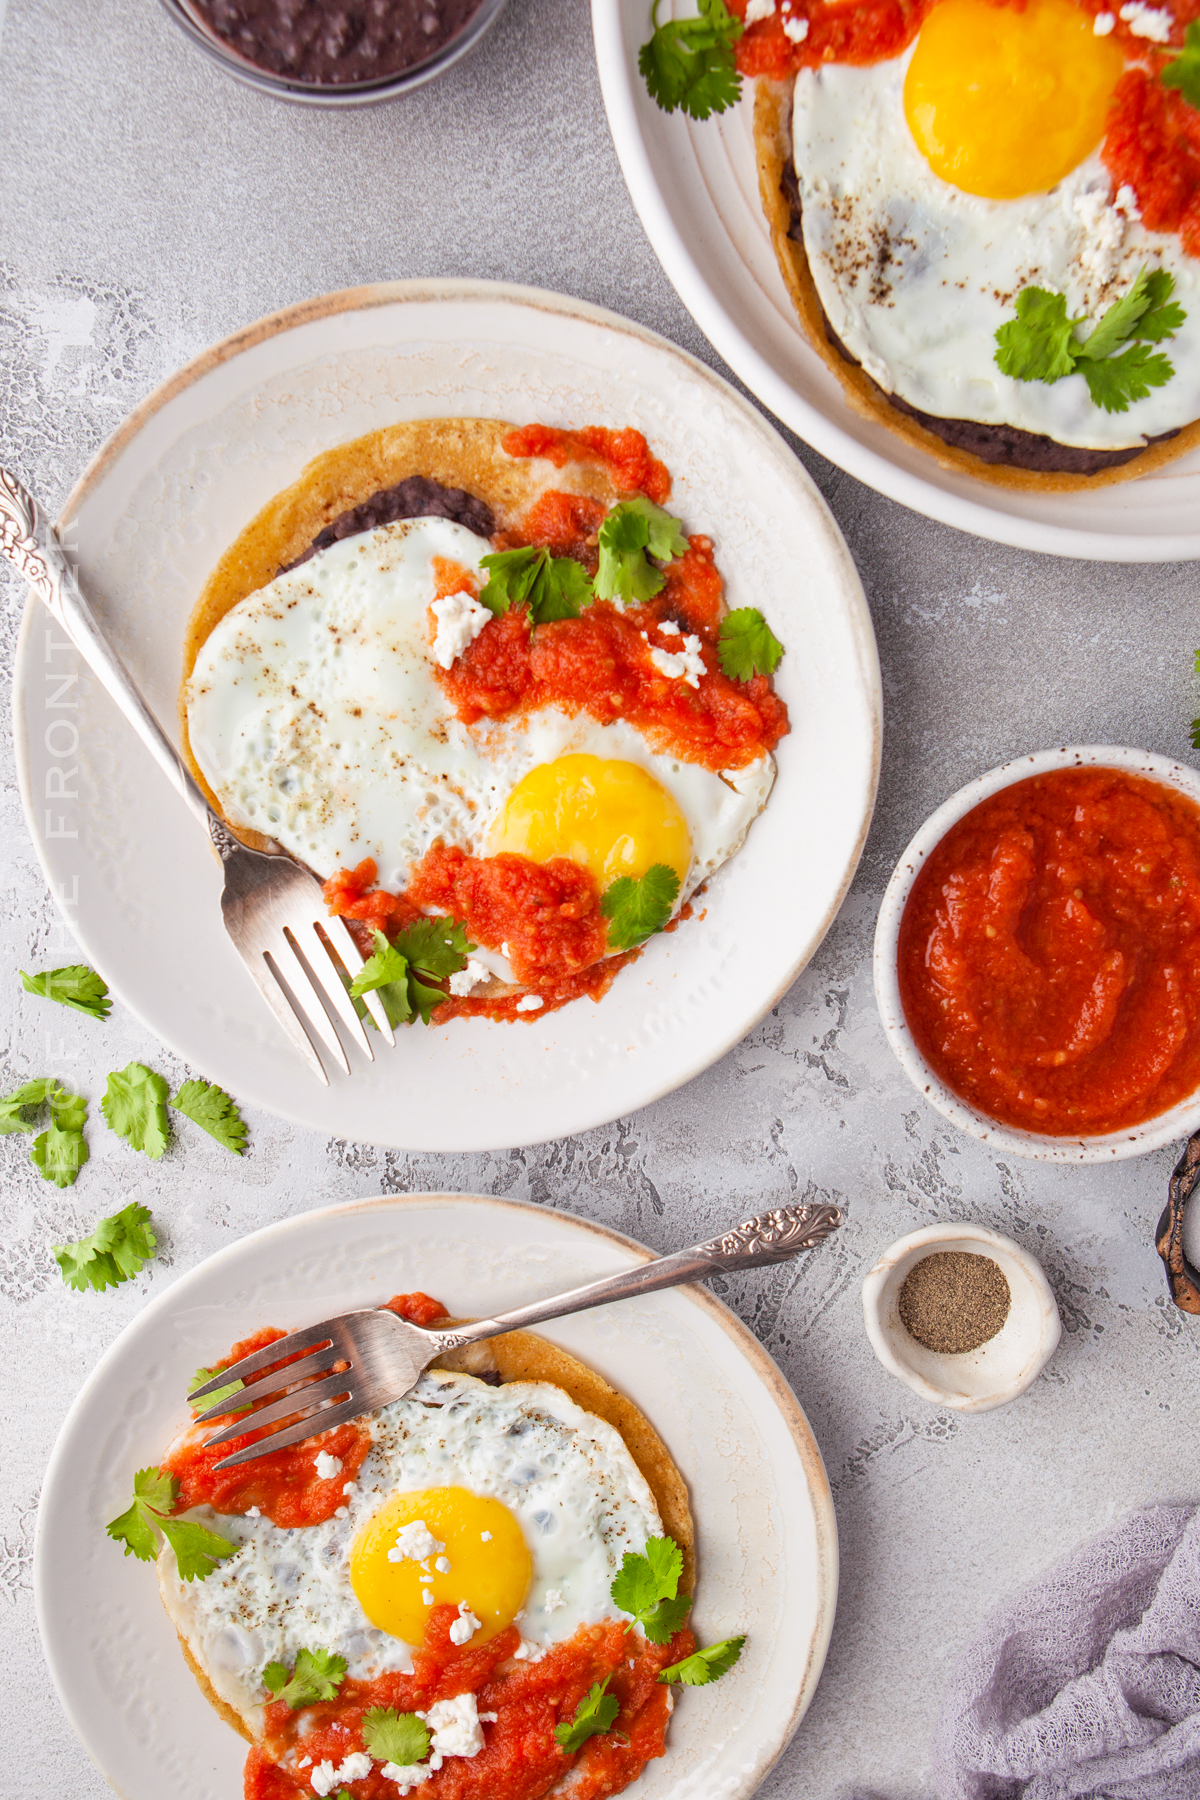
(314, 713)
(936, 185)
(511, 1504)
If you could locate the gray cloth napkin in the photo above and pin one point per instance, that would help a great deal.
(1086, 1686)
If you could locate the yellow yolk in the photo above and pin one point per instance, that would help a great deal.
(613, 817)
(1004, 102)
(490, 1567)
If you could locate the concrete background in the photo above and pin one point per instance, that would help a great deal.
(148, 206)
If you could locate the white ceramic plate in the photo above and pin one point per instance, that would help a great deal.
(767, 1541)
(171, 490)
(695, 187)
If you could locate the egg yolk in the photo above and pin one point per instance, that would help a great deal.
(1004, 102)
(484, 1563)
(613, 817)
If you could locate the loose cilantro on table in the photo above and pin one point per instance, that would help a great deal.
(1040, 343)
(395, 1737)
(115, 1252)
(633, 531)
(746, 645)
(635, 910)
(197, 1550)
(553, 587)
(690, 62)
(214, 1399)
(1184, 71)
(647, 1587)
(61, 1151)
(76, 986)
(210, 1107)
(705, 1665)
(135, 1105)
(403, 970)
(595, 1713)
(318, 1675)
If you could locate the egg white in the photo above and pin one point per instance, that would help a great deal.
(565, 1475)
(915, 276)
(314, 713)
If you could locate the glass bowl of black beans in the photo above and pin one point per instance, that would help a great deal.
(323, 54)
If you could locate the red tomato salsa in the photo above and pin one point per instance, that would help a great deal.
(1049, 953)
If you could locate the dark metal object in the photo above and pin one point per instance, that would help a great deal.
(1183, 1279)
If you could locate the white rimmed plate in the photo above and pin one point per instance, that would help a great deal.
(1113, 1146)
(766, 1536)
(170, 491)
(695, 187)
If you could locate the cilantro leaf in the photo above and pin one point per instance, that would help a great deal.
(632, 530)
(318, 1675)
(14, 1106)
(210, 1107)
(705, 1665)
(1040, 343)
(553, 587)
(1160, 320)
(214, 1399)
(595, 1713)
(404, 970)
(635, 910)
(437, 947)
(690, 63)
(135, 1105)
(1184, 72)
(385, 973)
(647, 1587)
(116, 1250)
(1117, 380)
(395, 1737)
(746, 645)
(667, 1618)
(197, 1550)
(1037, 344)
(58, 1156)
(424, 999)
(76, 986)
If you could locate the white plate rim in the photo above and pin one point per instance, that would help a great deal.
(823, 433)
(443, 291)
(761, 1364)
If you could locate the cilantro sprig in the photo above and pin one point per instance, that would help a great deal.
(135, 1106)
(115, 1252)
(60, 1152)
(197, 1549)
(596, 1713)
(746, 645)
(636, 909)
(214, 1399)
(210, 1107)
(553, 587)
(690, 62)
(76, 986)
(647, 1587)
(318, 1675)
(1041, 344)
(1183, 72)
(395, 1737)
(403, 969)
(705, 1665)
(632, 532)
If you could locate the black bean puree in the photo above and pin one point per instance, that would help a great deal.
(417, 497)
(1005, 445)
(308, 40)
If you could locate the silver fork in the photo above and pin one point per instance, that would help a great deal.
(374, 1357)
(273, 907)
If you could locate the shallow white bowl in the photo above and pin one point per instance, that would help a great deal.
(975, 1380)
(1137, 1140)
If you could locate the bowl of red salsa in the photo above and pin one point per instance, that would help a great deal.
(1037, 955)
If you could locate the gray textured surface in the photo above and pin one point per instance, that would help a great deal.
(147, 207)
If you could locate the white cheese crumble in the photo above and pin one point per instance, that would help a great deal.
(485, 1537)
(343, 1512)
(454, 1727)
(328, 1466)
(326, 1776)
(756, 10)
(460, 619)
(442, 1565)
(356, 1767)
(1103, 23)
(347, 1487)
(465, 1626)
(427, 1596)
(408, 1775)
(796, 30)
(527, 1651)
(465, 981)
(553, 1600)
(530, 1003)
(686, 664)
(254, 1512)
(1153, 22)
(415, 1543)
(1103, 224)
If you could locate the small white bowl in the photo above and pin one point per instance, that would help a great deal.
(975, 1380)
(1137, 1140)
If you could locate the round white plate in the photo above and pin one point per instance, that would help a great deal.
(695, 187)
(170, 491)
(766, 1536)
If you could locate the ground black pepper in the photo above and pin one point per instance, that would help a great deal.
(954, 1301)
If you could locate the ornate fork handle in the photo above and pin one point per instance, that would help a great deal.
(28, 540)
(770, 1237)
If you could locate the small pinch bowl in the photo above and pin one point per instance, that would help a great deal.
(973, 1380)
(1180, 1121)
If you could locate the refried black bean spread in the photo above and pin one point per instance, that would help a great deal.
(416, 497)
(305, 40)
